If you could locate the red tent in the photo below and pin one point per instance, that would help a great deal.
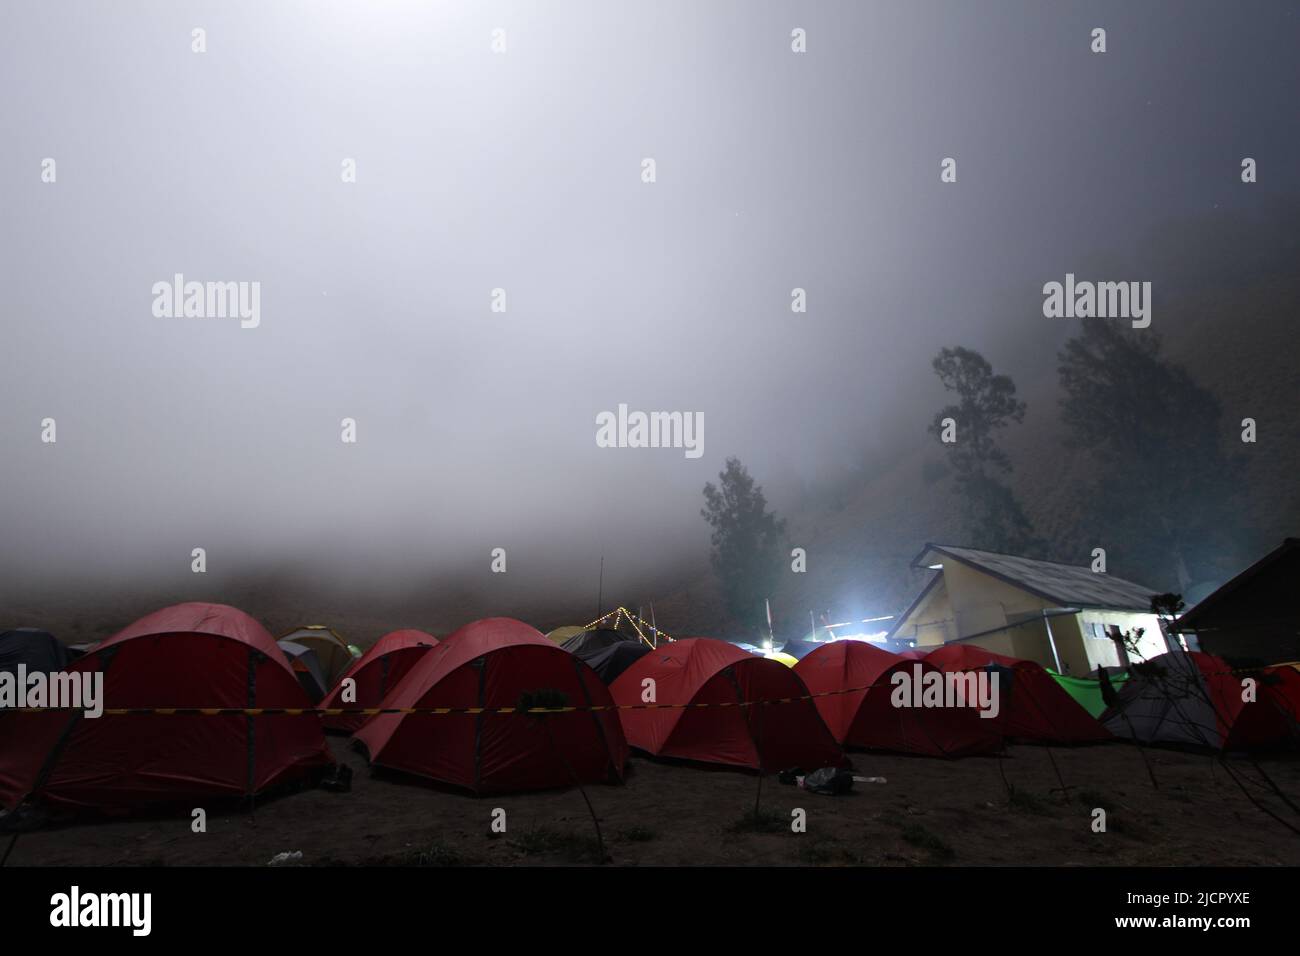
(376, 673)
(868, 718)
(1034, 707)
(186, 656)
(491, 664)
(1273, 718)
(697, 684)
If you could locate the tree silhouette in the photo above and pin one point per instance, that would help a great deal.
(986, 403)
(747, 540)
(1162, 479)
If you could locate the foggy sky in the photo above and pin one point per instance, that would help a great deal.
(477, 170)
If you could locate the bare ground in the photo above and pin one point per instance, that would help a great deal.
(928, 812)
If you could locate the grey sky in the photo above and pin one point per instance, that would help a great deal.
(478, 170)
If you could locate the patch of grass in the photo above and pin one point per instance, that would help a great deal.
(439, 855)
(1026, 801)
(925, 839)
(568, 846)
(764, 821)
(637, 834)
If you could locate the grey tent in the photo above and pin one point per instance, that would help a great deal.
(1166, 701)
(307, 668)
(596, 639)
(606, 651)
(36, 649)
(610, 662)
(1195, 699)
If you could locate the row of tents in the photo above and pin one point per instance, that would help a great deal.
(454, 709)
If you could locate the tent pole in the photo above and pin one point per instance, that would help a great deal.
(1052, 642)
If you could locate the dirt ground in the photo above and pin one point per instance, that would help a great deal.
(928, 812)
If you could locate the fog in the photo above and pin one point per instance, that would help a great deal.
(522, 171)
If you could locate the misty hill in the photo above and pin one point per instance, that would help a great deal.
(1227, 313)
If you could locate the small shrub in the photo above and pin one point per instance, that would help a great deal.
(439, 855)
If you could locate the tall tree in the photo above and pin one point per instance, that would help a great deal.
(747, 542)
(986, 403)
(1163, 485)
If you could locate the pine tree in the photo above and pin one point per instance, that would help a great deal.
(987, 403)
(747, 541)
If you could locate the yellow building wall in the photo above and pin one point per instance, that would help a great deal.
(931, 623)
(982, 602)
(967, 601)
(1151, 644)
(1029, 641)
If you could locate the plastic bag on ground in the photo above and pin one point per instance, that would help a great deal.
(829, 780)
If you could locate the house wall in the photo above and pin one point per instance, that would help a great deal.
(1079, 656)
(967, 601)
(1152, 643)
(1027, 641)
(983, 602)
(931, 622)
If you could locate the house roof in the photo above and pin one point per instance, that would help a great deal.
(1063, 584)
(1231, 603)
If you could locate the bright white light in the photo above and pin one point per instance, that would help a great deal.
(877, 638)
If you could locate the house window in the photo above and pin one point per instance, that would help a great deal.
(1101, 647)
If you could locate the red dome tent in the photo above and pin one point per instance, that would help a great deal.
(867, 718)
(698, 682)
(186, 656)
(1196, 699)
(1034, 708)
(376, 673)
(490, 664)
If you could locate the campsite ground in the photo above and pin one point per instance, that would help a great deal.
(928, 812)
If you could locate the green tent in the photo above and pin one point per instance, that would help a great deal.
(1087, 691)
